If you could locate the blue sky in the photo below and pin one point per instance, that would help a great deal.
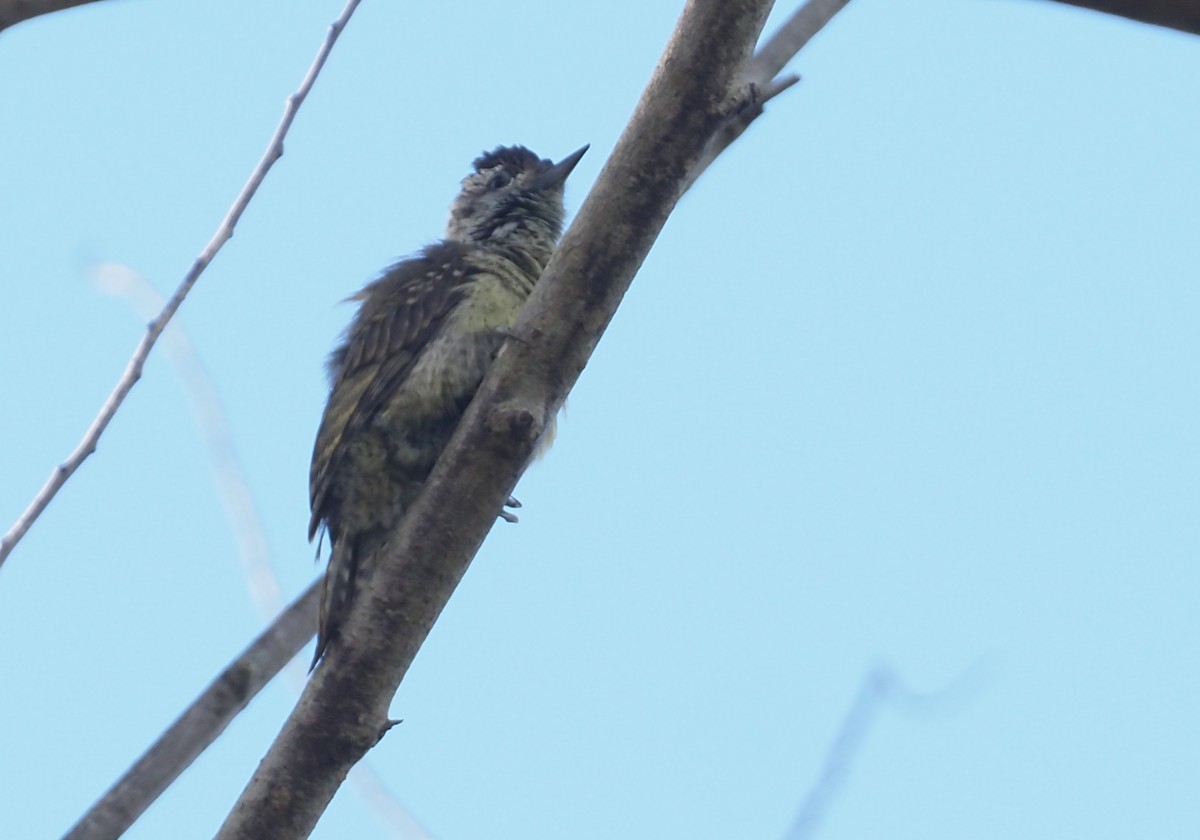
(909, 378)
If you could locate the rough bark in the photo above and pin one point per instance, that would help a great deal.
(696, 89)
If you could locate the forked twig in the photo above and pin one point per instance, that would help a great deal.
(761, 74)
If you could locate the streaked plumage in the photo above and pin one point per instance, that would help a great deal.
(415, 353)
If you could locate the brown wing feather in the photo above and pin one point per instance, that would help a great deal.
(400, 313)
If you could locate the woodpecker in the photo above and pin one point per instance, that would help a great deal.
(425, 334)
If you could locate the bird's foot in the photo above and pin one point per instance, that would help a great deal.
(508, 516)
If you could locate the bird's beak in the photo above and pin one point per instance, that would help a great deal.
(557, 174)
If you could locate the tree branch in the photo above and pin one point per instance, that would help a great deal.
(873, 692)
(201, 723)
(761, 72)
(1179, 14)
(880, 687)
(1183, 15)
(207, 717)
(790, 38)
(343, 711)
(15, 11)
(133, 371)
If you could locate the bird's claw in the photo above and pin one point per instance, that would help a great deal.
(507, 516)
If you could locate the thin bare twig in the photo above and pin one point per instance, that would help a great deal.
(790, 38)
(881, 687)
(872, 694)
(133, 370)
(233, 489)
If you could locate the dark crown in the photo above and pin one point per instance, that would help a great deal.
(512, 159)
(513, 199)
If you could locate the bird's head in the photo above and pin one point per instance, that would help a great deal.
(512, 198)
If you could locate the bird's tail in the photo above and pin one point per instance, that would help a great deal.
(337, 592)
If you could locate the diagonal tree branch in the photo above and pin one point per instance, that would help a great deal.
(133, 371)
(881, 687)
(15, 11)
(817, 10)
(128, 797)
(696, 88)
(201, 723)
(229, 477)
(789, 39)
(1183, 15)
(204, 720)
(872, 694)
(769, 59)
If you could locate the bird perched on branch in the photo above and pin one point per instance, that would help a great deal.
(417, 350)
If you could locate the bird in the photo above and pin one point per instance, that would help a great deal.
(424, 336)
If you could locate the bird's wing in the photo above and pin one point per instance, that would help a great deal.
(401, 312)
